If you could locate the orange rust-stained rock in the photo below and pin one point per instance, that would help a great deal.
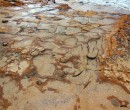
(111, 38)
(87, 13)
(4, 3)
(63, 7)
(115, 61)
(4, 103)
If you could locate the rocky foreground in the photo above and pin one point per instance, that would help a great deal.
(53, 57)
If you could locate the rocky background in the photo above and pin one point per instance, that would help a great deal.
(56, 57)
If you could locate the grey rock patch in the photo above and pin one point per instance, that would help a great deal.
(82, 20)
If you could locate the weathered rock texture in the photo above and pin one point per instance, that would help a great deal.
(116, 60)
(53, 58)
(6, 3)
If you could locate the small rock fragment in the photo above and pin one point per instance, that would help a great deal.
(34, 53)
(5, 43)
(92, 55)
(66, 58)
(39, 82)
(117, 102)
(60, 74)
(4, 21)
(63, 7)
(124, 103)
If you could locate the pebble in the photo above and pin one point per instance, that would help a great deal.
(60, 74)
(34, 53)
(5, 43)
(4, 21)
(115, 102)
(39, 82)
(124, 104)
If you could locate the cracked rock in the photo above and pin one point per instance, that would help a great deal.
(93, 54)
(71, 30)
(59, 74)
(66, 58)
(82, 20)
(44, 65)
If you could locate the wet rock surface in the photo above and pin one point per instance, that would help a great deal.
(53, 57)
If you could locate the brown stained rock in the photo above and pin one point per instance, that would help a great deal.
(13, 66)
(4, 21)
(115, 60)
(66, 58)
(111, 41)
(6, 3)
(4, 103)
(117, 102)
(5, 44)
(88, 13)
(17, 66)
(59, 74)
(4, 29)
(63, 7)
(23, 65)
(87, 27)
(72, 30)
(52, 89)
(39, 82)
